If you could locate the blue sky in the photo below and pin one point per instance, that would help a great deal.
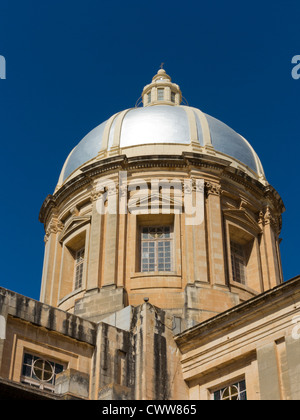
(72, 64)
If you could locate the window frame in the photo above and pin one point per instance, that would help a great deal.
(238, 262)
(242, 232)
(160, 91)
(79, 268)
(32, 379)
(241, 389)
(169, 240)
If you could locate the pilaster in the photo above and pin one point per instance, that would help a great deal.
(93, 278)
(52, 259)
(110, 250)
(270, 242)
(215, 234)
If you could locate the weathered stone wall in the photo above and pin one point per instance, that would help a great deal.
(131, 355)
(257, 341)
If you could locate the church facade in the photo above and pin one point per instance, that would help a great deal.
(162, 276)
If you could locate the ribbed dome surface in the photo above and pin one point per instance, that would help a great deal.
(157, 125)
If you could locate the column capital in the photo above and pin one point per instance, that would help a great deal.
(212, 188)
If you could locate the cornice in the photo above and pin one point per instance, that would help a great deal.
(187, 160)
(238, 315)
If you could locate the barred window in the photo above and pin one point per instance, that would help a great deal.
(79, 261)
(39, 372)
(160, 94)
(156, 248)
(238, 262)
(235, 391)
(173, 97)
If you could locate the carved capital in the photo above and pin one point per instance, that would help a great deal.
(212, 189)
(95, 195)
(55, 226)
(188, 187)
(266, 218)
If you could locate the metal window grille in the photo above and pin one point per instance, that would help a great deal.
(232, 392)
(156, 249)
(39, 372)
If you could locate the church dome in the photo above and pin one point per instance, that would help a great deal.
(162, 202)
(162, 126)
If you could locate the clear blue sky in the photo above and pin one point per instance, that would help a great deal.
(72, 64)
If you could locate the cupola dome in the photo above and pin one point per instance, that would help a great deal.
(162, 126)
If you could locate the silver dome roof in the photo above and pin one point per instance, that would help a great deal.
(161, 124)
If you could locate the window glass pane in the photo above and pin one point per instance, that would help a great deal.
(238, 262)
(145, 233)
(26, 371)
(242, 385)
(160, 94)
(39, 373)
(58, 368)
(28, 359)
(156, 248)
(79, 261)
(243, 396)
(232, 392)
(217, 395)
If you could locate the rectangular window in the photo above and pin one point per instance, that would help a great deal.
(238, 262)
(236, 391)
(79, 261)
(149, 97)
(173, 97)
(156, 248)
(160, 94)
(39, 372)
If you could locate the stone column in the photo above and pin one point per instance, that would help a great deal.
(122, 230)
(110, 245)
(93, 278)
(269, 236)
(196, 257)
(215, 234)
(52, 258)
(263, 255)
(293, 357)
(268, 372)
